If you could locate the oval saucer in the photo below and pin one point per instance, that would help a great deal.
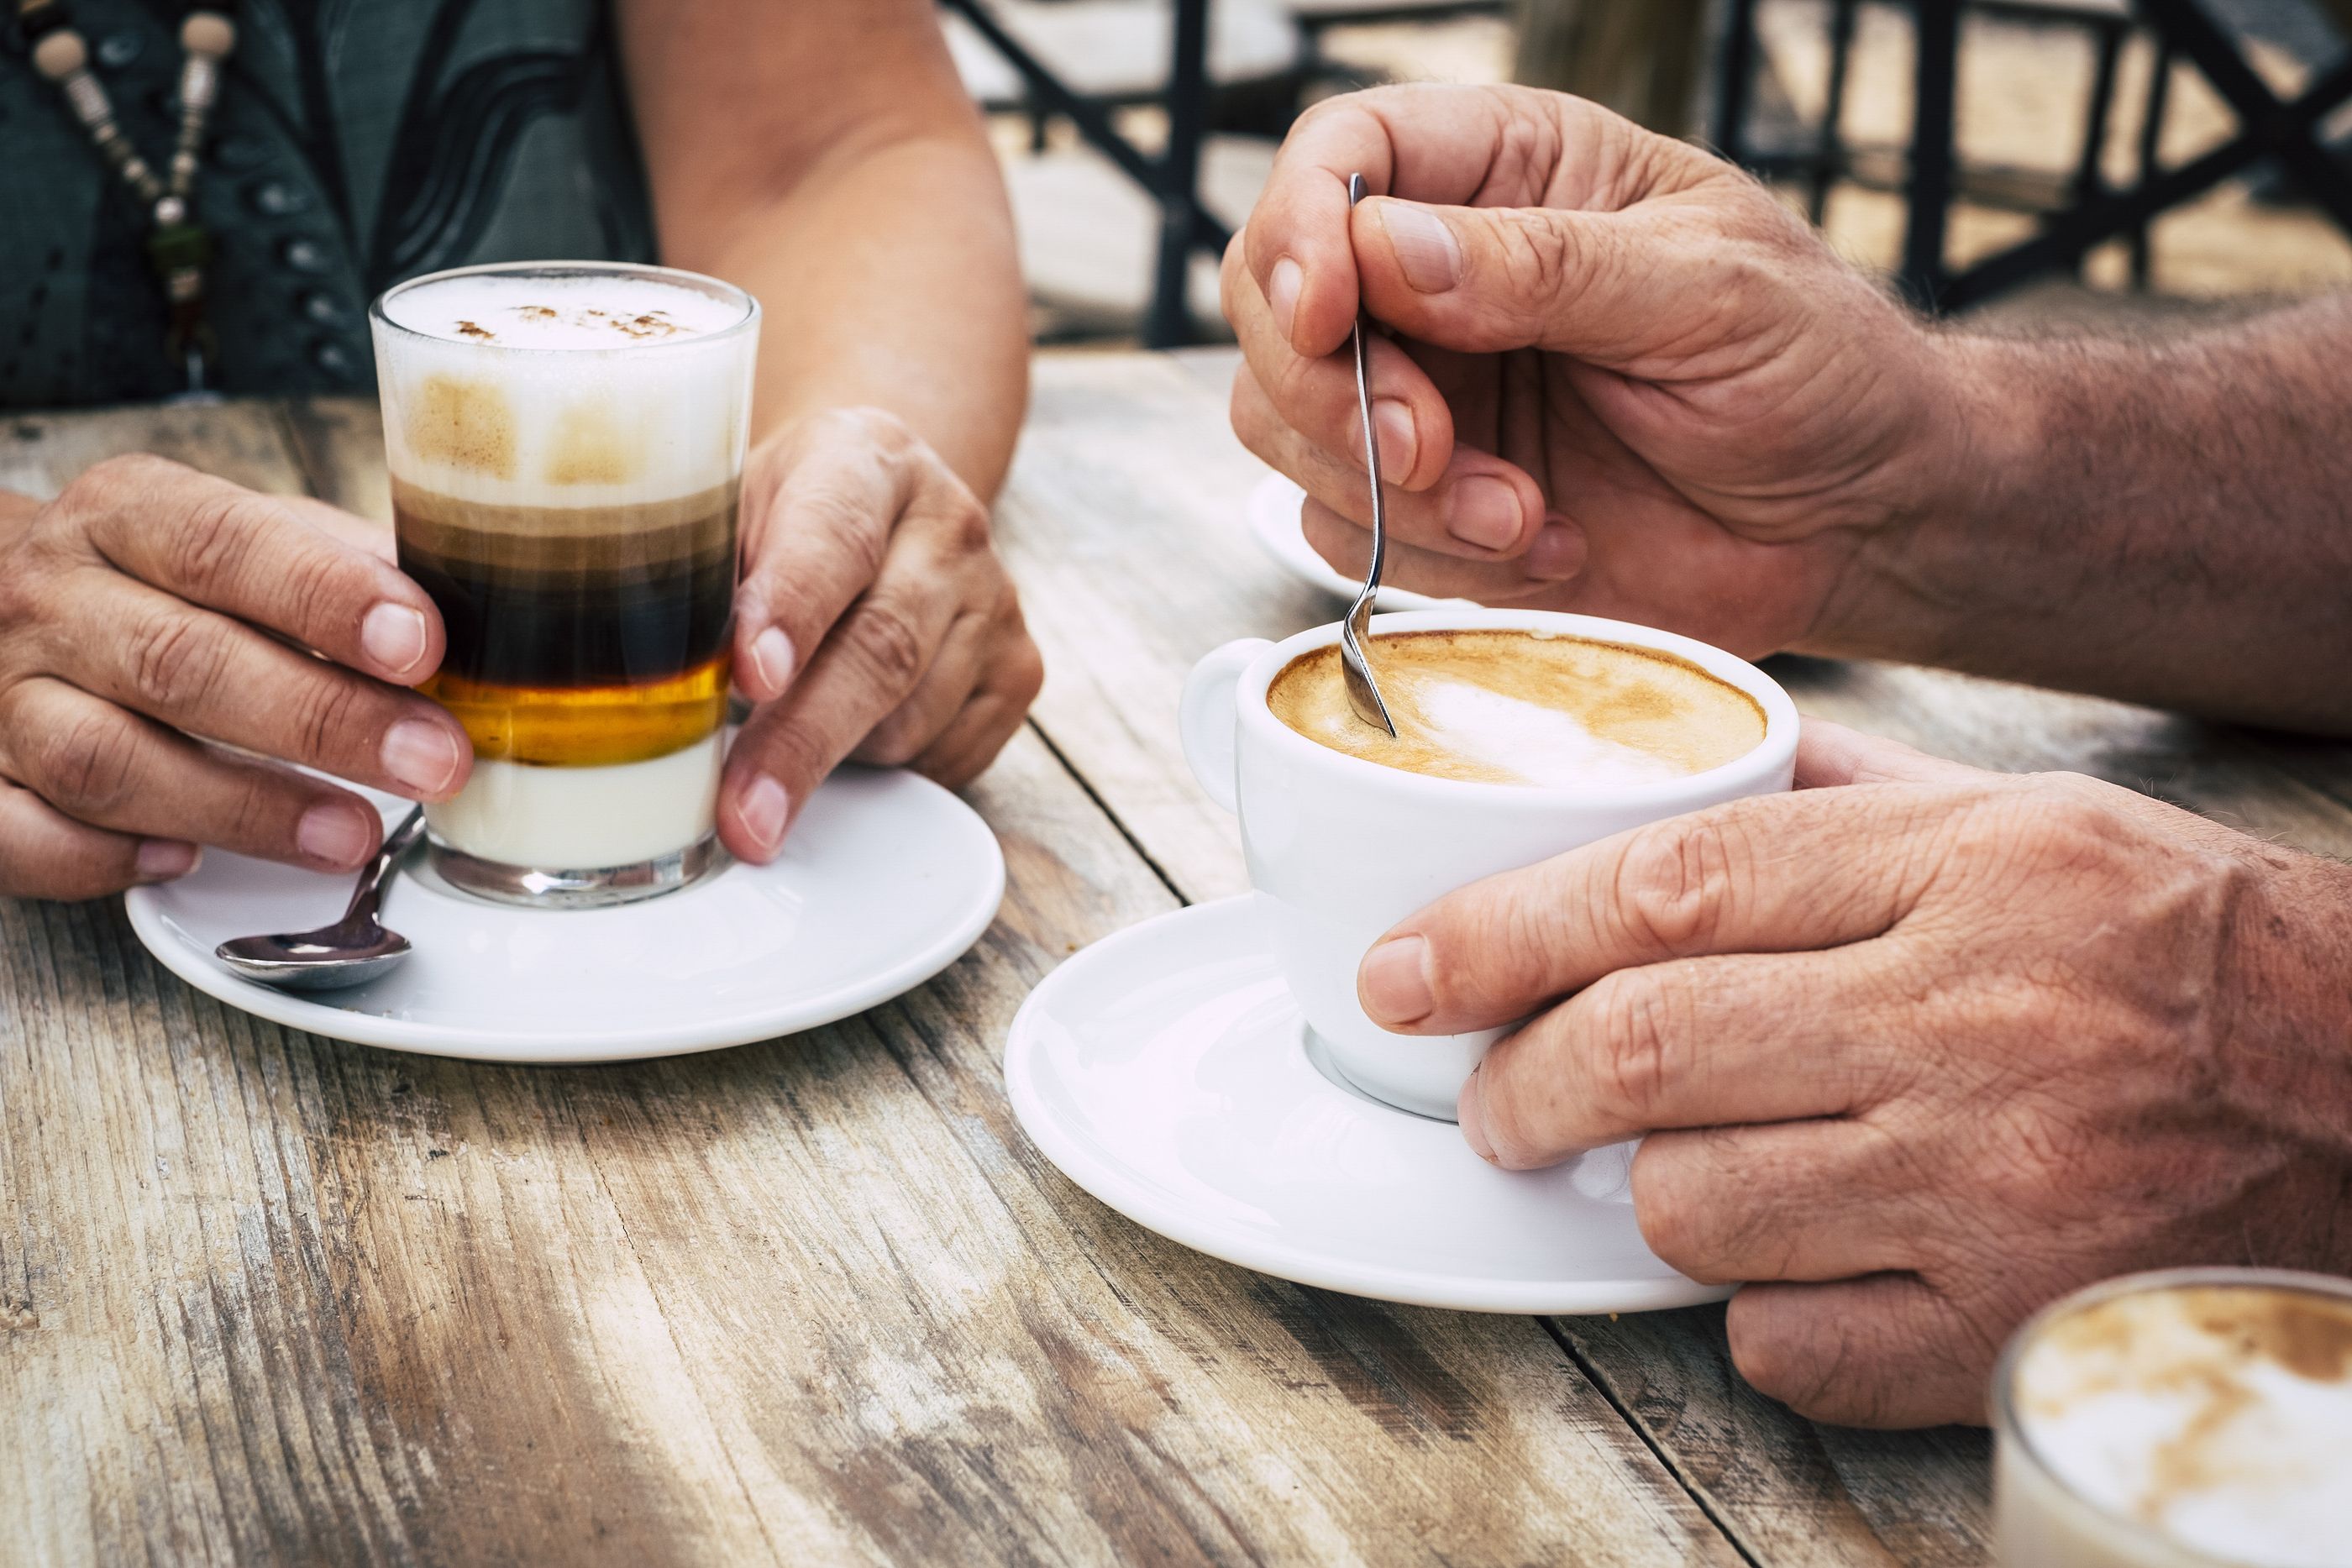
(886, 880)
(1273, 521)
(1166, 1072)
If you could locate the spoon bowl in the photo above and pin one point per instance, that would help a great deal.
(352, 951)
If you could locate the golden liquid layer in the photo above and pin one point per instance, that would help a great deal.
(586, 727)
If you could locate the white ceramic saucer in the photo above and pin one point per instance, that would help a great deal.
(886, 880)
(1274, 522)
(1165, 1069)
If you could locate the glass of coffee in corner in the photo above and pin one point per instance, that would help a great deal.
(2185, 1419)
(565, 442)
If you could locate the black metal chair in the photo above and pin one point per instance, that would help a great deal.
(2093, 214)
(1171, 176)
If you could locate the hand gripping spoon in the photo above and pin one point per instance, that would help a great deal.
(352, 951)
(1363, 693)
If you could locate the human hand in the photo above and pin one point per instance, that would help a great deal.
(145, 621)
(1624, 379)
(1917, 1047)
(874, 621)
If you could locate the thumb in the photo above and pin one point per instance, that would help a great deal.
(1830, 754)
(1603, 286)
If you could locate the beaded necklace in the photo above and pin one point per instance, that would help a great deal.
(178, 248)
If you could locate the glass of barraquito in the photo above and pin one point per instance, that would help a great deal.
(2180, 1419)
(565, 442)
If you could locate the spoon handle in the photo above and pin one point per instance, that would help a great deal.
(369, 894)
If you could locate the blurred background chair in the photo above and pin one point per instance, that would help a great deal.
(1136, 134)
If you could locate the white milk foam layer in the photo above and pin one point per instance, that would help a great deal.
(606, 312)
(568, 391)
(583, 818)
(1530, 742)
(2229, 1454)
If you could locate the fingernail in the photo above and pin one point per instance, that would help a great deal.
(763, 811)
(1426, 251)
(771, 657)
(1558, 551)
(161, 860)
(1400, 445)
(1282, 293)
(1483, 511)
(1393, 982)
(421, 756)
(335, 834)
(1470, 1110)
(393, 636)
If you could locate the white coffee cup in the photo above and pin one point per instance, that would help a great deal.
(1339, 849)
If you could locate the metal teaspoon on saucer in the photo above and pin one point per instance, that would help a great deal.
(352, 951)
(1363, 693)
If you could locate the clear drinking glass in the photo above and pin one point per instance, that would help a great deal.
(565, 442)
(2042, 1520)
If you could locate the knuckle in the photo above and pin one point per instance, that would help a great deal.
(888, 641)
(895, 742)
(1022, 671)
(1631, 1050)
(1670, 1218)
(1673, 881)
(1534, 257)
(85, 764)
(174, 661)
(109, 482)
(211, 542)
(326, 713)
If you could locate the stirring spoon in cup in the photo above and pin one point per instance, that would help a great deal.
(352, 951)
(1363, 693)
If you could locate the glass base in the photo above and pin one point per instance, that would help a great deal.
(536, 888)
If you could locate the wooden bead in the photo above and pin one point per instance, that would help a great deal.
(207, 33)
(60, 54)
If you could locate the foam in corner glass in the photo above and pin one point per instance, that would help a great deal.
(565, 442)
(2187, 1418)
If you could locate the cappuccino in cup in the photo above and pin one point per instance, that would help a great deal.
(1523, 707)
(1522, 734)
(2189, 1417)
(565, 444)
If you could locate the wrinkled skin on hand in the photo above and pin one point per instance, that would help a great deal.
(1916, 1048)
(1619, 377)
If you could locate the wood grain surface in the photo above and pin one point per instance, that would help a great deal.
(268, 1297)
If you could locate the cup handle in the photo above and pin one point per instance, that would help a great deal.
(1207, 713)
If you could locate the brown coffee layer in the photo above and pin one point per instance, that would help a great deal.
(567, 598)
(1652, 703)
(573, 540)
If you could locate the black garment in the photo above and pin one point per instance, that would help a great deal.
(356, 142)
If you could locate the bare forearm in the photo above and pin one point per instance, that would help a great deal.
(888, 280)
(2166, 523)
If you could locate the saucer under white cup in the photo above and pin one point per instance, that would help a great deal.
(1273, 521)
(1171, 1071)
(884, 880)
(1165, 1069)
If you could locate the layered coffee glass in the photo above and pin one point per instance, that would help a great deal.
(565, 442)
(2180, 1419)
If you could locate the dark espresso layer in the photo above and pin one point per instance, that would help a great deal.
(544, 598)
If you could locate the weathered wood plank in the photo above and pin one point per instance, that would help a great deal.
(245, 441)
(265, 1296)
(1134, 561)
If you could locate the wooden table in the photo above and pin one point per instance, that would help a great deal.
(268, 1296)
